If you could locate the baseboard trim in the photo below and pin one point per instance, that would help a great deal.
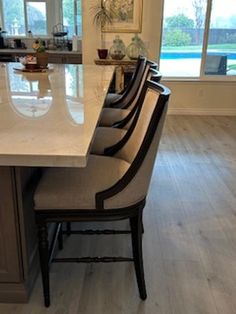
(202, 112)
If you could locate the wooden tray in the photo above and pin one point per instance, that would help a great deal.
(31, 70)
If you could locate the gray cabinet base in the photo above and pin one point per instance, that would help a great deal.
(19, 263)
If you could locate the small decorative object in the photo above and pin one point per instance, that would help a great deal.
(60, 32)
(117, 50)
(30, 35)
(75, 43)
(39, 45)
(29, 62)
(136, 48)
(41, 54)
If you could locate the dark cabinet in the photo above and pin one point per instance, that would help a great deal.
(72, 58)
(53, 57)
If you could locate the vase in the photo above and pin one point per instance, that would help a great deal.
(42, 59)
(117, 50)
(136, 48)
(102, 53)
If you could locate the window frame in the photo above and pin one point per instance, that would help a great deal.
(202, 76)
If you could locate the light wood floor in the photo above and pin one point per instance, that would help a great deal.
(189, 240)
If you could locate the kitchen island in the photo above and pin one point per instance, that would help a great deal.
(47, 119)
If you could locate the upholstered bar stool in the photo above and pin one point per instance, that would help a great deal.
(114, 97)
(114, 115)
(119, 133)
(109, 117)
(110, 188)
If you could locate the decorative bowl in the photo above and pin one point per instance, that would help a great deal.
(117, 56)
(30, 62)
(31, 66)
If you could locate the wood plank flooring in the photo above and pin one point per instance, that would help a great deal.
(189, 240)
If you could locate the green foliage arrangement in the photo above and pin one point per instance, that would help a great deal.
(102, 15)
(38, 45)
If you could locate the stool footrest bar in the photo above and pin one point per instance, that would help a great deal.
(105, 259)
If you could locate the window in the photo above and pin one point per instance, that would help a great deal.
(72, 17)
(17, 23)
(198, 38)
(14, 17)
(221, 46)
(17, 17)
(37, 17)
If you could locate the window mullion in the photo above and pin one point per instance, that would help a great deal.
(205, 38)
(47, 18)
(26, 19)
(75, 18)
(1, 15)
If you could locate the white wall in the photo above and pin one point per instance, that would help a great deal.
(188, 97)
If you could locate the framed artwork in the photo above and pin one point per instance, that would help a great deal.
(126, 16)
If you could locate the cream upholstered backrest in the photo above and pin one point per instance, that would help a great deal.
(146, 75)
(130, 150)
(136, 190)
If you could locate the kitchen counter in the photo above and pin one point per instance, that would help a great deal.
(31, 51)
(51, 116)
(46, 119)
(55, 56)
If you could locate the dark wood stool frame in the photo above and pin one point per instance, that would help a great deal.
(133, 213)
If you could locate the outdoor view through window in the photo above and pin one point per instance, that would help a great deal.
(183, 37)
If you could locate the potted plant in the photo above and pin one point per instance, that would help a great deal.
(102, 16)
(41, 54)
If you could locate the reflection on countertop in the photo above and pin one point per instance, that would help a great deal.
(50, 115)
(32, 94)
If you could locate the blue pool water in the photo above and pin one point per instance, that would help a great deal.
(193, 55)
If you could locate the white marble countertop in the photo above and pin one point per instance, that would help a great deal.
(29, 51)
(49, 119)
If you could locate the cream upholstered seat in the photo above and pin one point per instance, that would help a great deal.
(106, 137)
(111, 116)
(109, 188)
(79, 185)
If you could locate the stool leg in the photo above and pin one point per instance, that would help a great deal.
(44, 257)
(68, 228)
(136, 236)
(60, 238)
(142, 227)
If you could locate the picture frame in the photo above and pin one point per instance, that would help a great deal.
(126, 16)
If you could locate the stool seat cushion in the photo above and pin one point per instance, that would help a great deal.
(75, 188)
(106, 137)
(109, 116)
(110, 98)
